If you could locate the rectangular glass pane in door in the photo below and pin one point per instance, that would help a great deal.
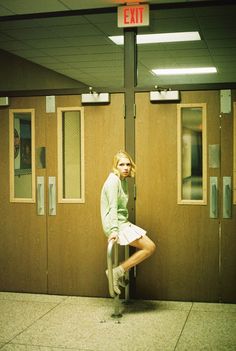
(22, 155)
(192, 153)
(70, 122)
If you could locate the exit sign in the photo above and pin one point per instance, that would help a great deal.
(133, 16)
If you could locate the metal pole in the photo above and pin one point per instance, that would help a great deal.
(113, 245)
(110, 268)
(130, 82)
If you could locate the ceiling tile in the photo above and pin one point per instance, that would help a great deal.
(31, 33)
(29, 6)
(75, 30)
(4, 11)
(117, 64)
(29, 53)
(47, 43)
(88, 40)
(13, 45)
(88, 58)
(91, 4)
(78, 46)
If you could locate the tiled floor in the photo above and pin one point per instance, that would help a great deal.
(30, 322)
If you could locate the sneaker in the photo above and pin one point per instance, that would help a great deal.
(123, 281)
(115, 286)
(117, 279)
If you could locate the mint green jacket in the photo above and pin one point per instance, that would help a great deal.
(114, 199)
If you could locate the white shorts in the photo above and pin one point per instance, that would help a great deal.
(129, 232)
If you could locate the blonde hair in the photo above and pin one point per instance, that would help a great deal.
(118, 156)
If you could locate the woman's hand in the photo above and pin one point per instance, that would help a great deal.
(113, 236)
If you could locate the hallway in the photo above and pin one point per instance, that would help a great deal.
(44, 322)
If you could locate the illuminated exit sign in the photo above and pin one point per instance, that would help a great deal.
(133, 15)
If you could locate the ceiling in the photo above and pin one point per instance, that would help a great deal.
(71, 37)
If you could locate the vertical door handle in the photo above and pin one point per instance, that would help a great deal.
(213, 197)
(40, 196)
(227, 197)
(52, 195)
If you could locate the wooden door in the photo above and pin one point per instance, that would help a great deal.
(61, 251)
(76, 243)
(192, 250)
(23, 240)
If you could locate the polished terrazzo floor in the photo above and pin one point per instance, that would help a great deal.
(31, 322)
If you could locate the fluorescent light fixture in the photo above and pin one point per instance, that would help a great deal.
(159, 38)
(177, 71)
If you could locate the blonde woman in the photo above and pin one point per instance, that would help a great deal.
(114, 214)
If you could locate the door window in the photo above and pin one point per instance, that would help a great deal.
(192, 153)
(22, 160)
(70, 154)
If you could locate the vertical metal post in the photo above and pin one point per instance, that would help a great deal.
(130, 82)
(112, 252)
(116, 255)
(117, 313)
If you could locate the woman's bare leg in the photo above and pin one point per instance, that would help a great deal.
(146, 248)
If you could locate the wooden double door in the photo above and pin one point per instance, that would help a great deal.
(61, 251)
(65, 252)
(196, 240)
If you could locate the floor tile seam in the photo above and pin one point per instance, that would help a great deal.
(31, 324)
(43, 346)
(63, 298)
(3, 345)
(219, 311)
(34, 302)
(214, 312)
(183, 327)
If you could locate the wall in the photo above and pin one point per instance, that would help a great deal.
(17, 72)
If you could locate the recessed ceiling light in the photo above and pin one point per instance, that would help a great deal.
(159, 38)
(177, 71)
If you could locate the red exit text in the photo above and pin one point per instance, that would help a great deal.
(133, 16)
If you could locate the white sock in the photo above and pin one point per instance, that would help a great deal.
(119, 270)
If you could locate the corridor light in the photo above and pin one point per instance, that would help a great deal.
(179, 71)
(159, 38)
